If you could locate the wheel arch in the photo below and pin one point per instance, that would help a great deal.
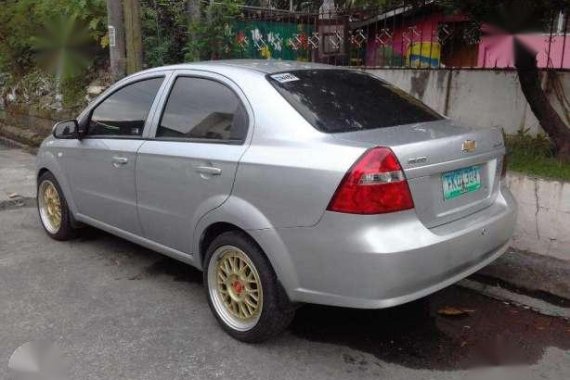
(47, 162)
(210, 233)
(41, 172)
(238, 214)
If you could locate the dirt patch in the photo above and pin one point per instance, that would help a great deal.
(18, 202)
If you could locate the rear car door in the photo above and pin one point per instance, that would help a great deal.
(101, 166)
(188, 168)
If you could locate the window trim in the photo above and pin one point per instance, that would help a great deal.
(114, 91)
(197, 139)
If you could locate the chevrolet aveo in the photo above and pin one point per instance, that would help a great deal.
(285, 183)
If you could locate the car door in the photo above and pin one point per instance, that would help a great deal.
(101, 166)
(188, 168)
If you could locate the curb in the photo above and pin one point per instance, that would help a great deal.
(527, 279)
(528, 302)
(19, 137)
(16, 144)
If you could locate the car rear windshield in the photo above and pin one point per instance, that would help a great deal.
(335, 100)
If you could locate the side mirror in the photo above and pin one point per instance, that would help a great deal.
(68, 129)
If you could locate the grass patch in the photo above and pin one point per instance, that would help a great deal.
(534, 155)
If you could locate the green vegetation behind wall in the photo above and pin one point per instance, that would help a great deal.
(534, 155)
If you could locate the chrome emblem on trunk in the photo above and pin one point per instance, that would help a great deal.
(469, 146)
(417, 160)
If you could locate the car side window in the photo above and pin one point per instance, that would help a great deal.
(124, 112)
(200, 108)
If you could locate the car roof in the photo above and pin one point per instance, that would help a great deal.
(263, 66)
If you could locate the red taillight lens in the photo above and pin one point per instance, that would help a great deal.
(374, 185)
(504, 167)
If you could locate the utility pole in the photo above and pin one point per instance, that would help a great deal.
(116, 38)
(193, 14)
(133, 33)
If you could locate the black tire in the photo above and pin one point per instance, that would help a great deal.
(277, 312)
(65, 231)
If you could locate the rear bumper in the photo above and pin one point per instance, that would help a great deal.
(382, 261)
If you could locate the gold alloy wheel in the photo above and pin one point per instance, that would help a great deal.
(50, 206)
(235, 288)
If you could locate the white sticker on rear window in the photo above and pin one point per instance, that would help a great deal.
(284, 77)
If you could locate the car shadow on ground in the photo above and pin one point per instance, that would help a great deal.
(414, 335)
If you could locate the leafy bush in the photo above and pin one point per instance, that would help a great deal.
(165, 31)
(211, 36)
(61, 38)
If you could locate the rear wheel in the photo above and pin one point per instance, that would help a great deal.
(243, 291)
(53, 210)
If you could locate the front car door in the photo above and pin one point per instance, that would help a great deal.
(101, 167)
(189, 167)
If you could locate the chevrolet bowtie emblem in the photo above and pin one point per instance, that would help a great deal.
(469, 146)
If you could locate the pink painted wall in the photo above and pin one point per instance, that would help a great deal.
(497, 51)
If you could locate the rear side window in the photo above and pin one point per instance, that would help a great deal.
(203, 109)
(124, 112)
(343, 101)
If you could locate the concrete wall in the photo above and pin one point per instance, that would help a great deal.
(543, 224)
(29, 124)
(493, 98)
(483, 98)
(33, 117)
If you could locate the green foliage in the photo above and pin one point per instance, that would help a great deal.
(534, 155)
(60, 37)
(165, 31)
(211, 36)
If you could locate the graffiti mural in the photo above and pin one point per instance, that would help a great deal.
(423, 55)
(280, 40)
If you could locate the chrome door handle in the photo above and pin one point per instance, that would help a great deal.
(211, 170)
(119, 161)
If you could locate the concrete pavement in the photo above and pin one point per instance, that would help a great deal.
(119, 311)
(17, 178)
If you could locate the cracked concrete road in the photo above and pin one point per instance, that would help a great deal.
(119, 311)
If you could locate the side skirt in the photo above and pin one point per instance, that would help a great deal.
(173, 253)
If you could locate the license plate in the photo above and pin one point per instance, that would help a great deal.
(461, 181)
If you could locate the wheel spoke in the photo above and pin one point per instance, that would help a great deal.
(255, 297)
(243, 310)
(249, 302)
(238, 285)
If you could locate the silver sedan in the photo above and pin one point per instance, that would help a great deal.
(285, 182)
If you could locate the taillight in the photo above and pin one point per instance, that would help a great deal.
(374, 185)
(504, 167)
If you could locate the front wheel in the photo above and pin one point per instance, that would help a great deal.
(243, 291)
(52, 207)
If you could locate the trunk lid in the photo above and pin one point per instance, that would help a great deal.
(452, 170)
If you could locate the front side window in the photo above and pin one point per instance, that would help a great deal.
(203, 109)
(343, 100)
(124, 112)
